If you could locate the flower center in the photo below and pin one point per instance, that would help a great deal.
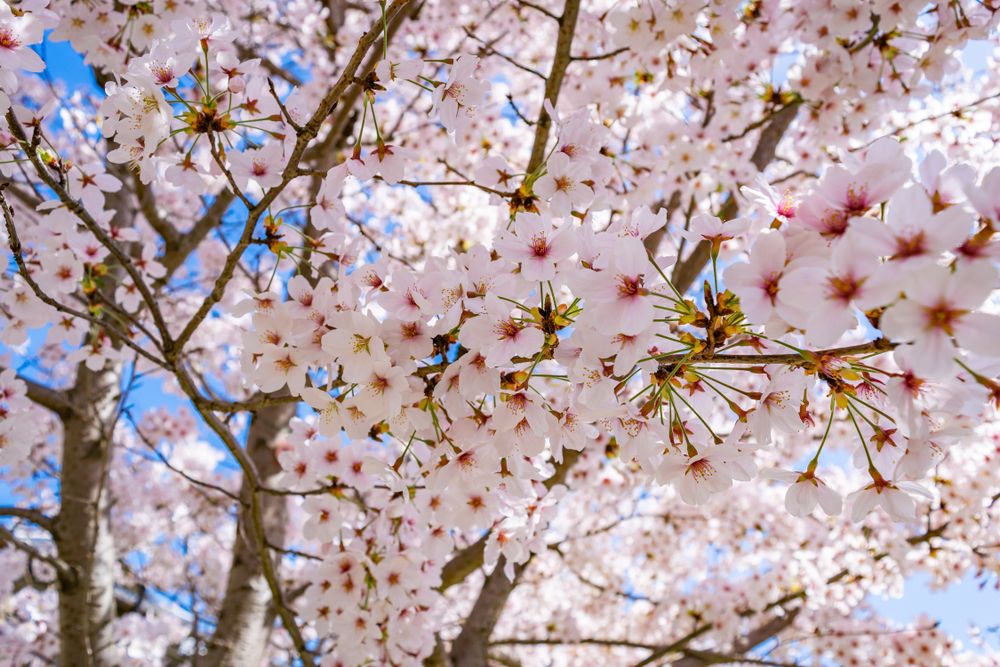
(8, 39)
(838, 287)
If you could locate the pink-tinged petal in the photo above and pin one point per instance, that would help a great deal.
(828, 322)
(971, 284)
(915, 489)
(737, 276)
(630, 316)
(803, 287)
(691, 492)
(736, 228)
(878, 237)
(898, 505)
(928, 286)
(800, 499)
(864, 501)
(933, 355)
(754, 300)
(768, 254)
(537, 269)
(950, 228)
(878, 290)
(882, 182)
(562, 244)
(979, 333)
(909, 208)
(597, 286)
(759, 424)
(528, 342)
(511, 248)
(838, 186)
(903, 321)
(545, 187)
(829, 500)
(630, 257)
(788, 476)
(671, 469)
(787, 417)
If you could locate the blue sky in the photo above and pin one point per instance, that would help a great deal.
(956, 607)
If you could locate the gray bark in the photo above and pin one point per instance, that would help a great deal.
(245, 620)
(82, 531)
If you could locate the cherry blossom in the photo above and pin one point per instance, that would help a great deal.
(456, 100)
(537, 245)
(467, 405)
(806, 491)
(940, 305)
(263, 165)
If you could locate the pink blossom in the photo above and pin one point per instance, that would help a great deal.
(537, 245)
(806, 491)
(498, 336)
(621, 301)
(389, 161)
(264, 166)
(564, 184)
(939, 307)
(894, 497)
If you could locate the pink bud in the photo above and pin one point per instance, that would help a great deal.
(237, 84)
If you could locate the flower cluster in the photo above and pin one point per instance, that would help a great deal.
(440, 314)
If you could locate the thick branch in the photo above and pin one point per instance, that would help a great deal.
(470, 559)
(35, 516)
(676, 646)
(652, 242)
(147, 204)
(562, 59)
(53, 399)
(471, 647)
(176, 253)
(703, 658)
(61, 566)
(746, 643)
(686, 271)
(571, 642)
(771, 136)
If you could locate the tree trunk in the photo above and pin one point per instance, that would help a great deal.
(82, 531)
(244, 626)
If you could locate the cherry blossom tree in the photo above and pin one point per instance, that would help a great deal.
(422, 332)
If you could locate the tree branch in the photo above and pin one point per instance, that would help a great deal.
(794, 359)
(35, 516)
(308, 133)
(470, 559)
(52, 399)
(65, 571)
(564, 43)
(177, 253)
(81, 212)
(685, 272)
(676, 646)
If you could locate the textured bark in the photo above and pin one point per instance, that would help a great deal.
(553, 83)
(245, 621)
(471, 648)
(82, 530)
